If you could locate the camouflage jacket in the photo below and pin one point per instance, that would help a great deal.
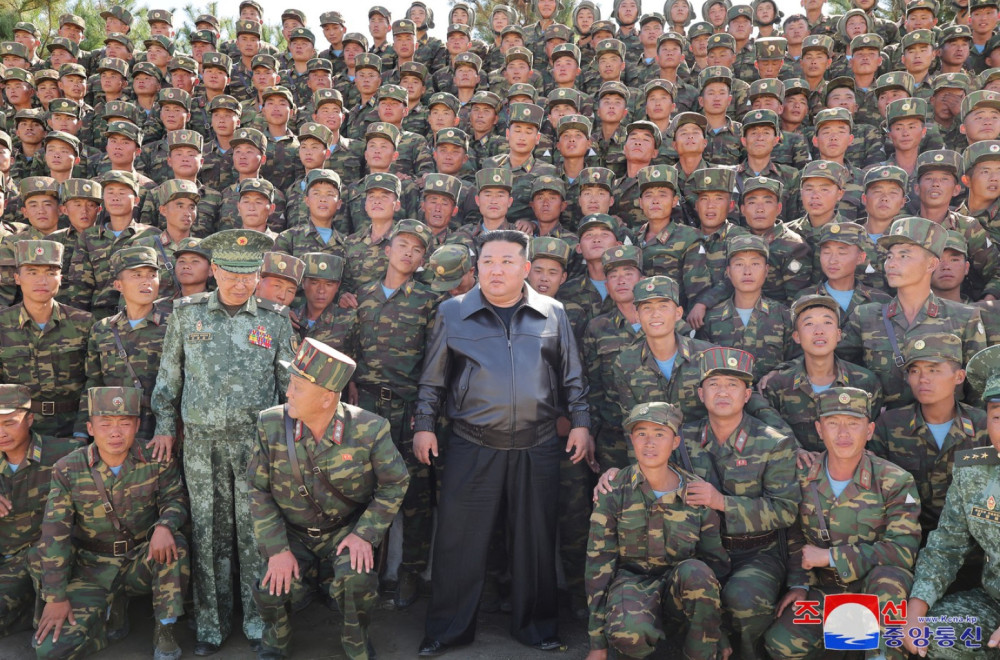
(304, 238)
(282, 166)
(356, 454)
(724, 147)
(352, 216)
(217, 169)
(604, 337)
(229, 213)
(364, 259)
(205, 222)
(9, 291)
(675, 252)
(792, 151)
(862, 295)
(714, 291)
(524, 176)
(346, 159)
(767, 335)
(337, 327)
(581, 290)
(90, 269)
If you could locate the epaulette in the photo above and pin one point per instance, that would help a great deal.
(277, 308)
(192, 300)
(977, 456)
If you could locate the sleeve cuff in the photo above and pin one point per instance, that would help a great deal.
(423, 423)
(580, 420)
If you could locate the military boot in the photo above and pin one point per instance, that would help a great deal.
(165, 646)
(118, 626)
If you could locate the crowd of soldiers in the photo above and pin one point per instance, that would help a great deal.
(775, 239)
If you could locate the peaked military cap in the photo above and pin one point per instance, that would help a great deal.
(322, 365)
(653, 176)
(956, 241)
(499, 177)
(80, 189)
(614, 87)
(394, 92)
(895, 80)
(443, 184)
(825, 169)
(913, 230)
(175, 188)
(602, 220)
(225, 102)
(302, 33)
(762, 118)
(360, 39)
(136, 256)
(952, 32)
(120, 176)
(65, 44)
(120, 38)
(175, 96)
(413, 228)
(248, 27)
(958, 80)
(38, 185)
(161, 41)
(818, 42)
(978, 152)
(918, 37)
(115, 64)
(160, 15)
(983, 373)
(70, 69)
(384, 181)
(64, 137)
(14, 48)
(656, 412)
(409, 69)
(890, 173)
(913, 108)
(770, 48)
(145, 68)
(217, 60)
(933, 347)
(278, 90)
(767, 87)
(313, 131)
(649, 127)
(38, 253)
(454, 136)
(46, 74)
(710, 179)
(486, 98)
(264, 60)
(404, 26)
(523, 89)
(657, 287)
(126, 128)
(259, 186)
(368, 61)
(119, 12)
(323, 64)
(72, 19)
(746, 243)
(976, 4)
(294, 14)
(324, 96)
(114, 401)
(519, 53)
(192, 245)
(622, 255)
(566, 50)
(596, 176)
(723, 361)
(460, 28)
(981, 98)
(814, 300)
(849, 233)
(527, 113)
(738, 11)
(715, 74)
(323, 266)
(468, 59)
(238, 250)
(755, 183)
(185, 138)
(14, 398)
(17, 73)
(658, 83)
(795, 86)
(204, 37)
(331, 18)
(574, 122)
(383, 130)
(279, 264)
(448, 265)
(183, 63)
(319, 175)
(827, 115)
(30, 114)
(869, 40)
(684, 118)
(700, 29)
(249, 136)
(722, 40)
(546, 247)
(844, 401)
(938, 159)
(548, 182)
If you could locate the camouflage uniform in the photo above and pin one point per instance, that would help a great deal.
(767, 336)
(206, 221)
(335, 326)
(303, 238)
(353, 218)
(229, 214)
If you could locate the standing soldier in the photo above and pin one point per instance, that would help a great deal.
(857, 527)
(26, 461)
(225, 344)
(356, 482)
(131, 546)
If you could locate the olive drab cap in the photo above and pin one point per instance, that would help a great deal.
(331, 18)
(869, 40)
(204, 36)
(825, 169)
(770, 48)
(622, 255)
(323, 266)
(574, 122)
(66, 44)
(499, 177)
(368, 61)
(120, 38)
(597, 176)
(161, 15)
(296, 14)
(549, 248)
(818, 42)
(360, 39)
(126, 128)
(455, 136)
(279, 264)
(849, 233)
(147, 68)
(302, 33)
(938, 159)
(958, 80)
(64, 137)
(649, 127)
(382, 129)
(952, 32)
(72, 19)
(322, 365)
(519, 53)
(14, 398)
(982, 98)
(653, 176)
(259, 186)
(762, 117)
(313, 131)
(161, 41)
(264, 60)
(405, 69)
(122, 177)
(815, 300)
(983, 373)
(933, 347)
(755, 183)
(185, 138)
(670, 35)
(384, 181)
(278, 90)
(38, 253)
(657, 287)
(978, 152)
(566, 50)
(461, 28)
(217, 60)
(602, 220)
(652, 17)
(319, 175)
(905, 109)
(183, 63)
(895, 80)
(767, 87)
(956, 241)
(133, 257)
(795, 86)
(656, 412)
(322, 64)
(658, 83)
(523, 89)
(914, 230)
(746, 243)
(80, 189)
(38, 185)
(248, 27)
(548, 182)
(175, 188)
(527, 113)
(557, 31)
(918, 37)
(468, 59)
(615, 87)
(684, 118)
(827, 115)
(30, 114)
(486, 98)
(119, 12)
(722, 40)
(448, 265)
(114, 401)
(450, 101)
(238, 250)
(613, 46)
(712, 179)
(715, 74)
(723, 361)
(192, 245)
(888, 173)
(844, 401)
(443, 184)
(736, 11)
(413, 228)
(64, 107)
(394, 92)
(249, 136)
(324, 96)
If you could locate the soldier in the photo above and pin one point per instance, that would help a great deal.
(256, 206)
(980, 164)
(206, 331)
(857, 528)
(249, 147)
(719, 94)
(822, 189)
(452, 270)
(638, 567)
(280, 277)
(494, 198)
(364, 252)
(440, 207)
(348, 507)
(132, 547)
(217, 169)
(761, 136)
(179, 208)
(834, 134)
(319, 316)
(589, 290)
(381, 140)
(193, 268)
(549, 259)
(26, 461)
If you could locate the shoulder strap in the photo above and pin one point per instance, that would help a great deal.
(896, 355)
(169, 265)
(824, 532)
(109, 509)
(297, 471)
(123, 354)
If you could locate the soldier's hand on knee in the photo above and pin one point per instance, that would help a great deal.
(162, 547)
(794, 594)
(603, 486)
(54, 615)
(362, 556)
(425, 445)
(282, 568)
(6, 506)
(916, 608)
(162, 446)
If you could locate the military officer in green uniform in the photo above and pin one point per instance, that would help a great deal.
(221, 366)
(326, 481)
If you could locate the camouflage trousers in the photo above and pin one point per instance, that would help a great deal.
(17, 594)
(138, 576)
(215, 469)
(637, 604)
(59, 425)
(612, 448)
(575, 503)
(785, 639)
(749, 596)
(355, 593)
(976, 603)
(415, 513)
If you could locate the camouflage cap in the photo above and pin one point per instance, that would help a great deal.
(185, 138)
(148, 69)
(46, 74)
(264, 60)
(225, 102)
(622, 255)
(566, 50)
(649, 127)
(613, 46)
(160, 15)
(486, 98)
(323, 64)
(892, 173)
(259, 186)
(755, 183)
(840, 82)
(38, 253)
(15, 49)
(713, 179)
(522, 89)
(657, 287)
(30, 114)
(448, 266)
(278, 90)
(248, 27)
(828, 115)
(722, 40)
(715, 74)
(825, 169)
(192, 245)
(64, 44)
(114, 401)
(80, 189)
(238, 250)
(313, 131)
(976, 4)
(115, 64)
(895, 80)
(249, 136)
(323, 266)
(739, 11)
(322, 365)
(159, 40)
(383, 130)
(700, 29)
(574, 122)
(410, 69)
(218, 61)
(468, 59)
(652, 17)
(983, 372)
(795, 86)
(929, 5)
(381, 11)
(413, 228)
(982, 98)
(913, 108)
(208, 19)
(549, 248)
(70, 69)
(5, 140)
(183, 62)
(381, 181)
(38, 185)
(723, 361)
(126, 128)
(331, 18)
(500, 177)
(129, 258)
(933, 347)
(119, 12)
(658, 83)
(557, 31)
(868, 40)
(358, 38)
(320, 175)
(596, 176)
(918, 37)
(653, 176)
(849, 233)
(978, 152)
(938, 159)
(818, 42)
(285, 266)
(655, 412)
(460, 28)
(767, 87)
(394, 92)
(814, 300)
(602, 220)
(323, 96)
(770, 48)
(762, 118)
(368, 61)
(527, 113)
(14, 398)
(958, 80)
(302, 33)
(746, 243)
(62, 136)
(72, 19)
(683, 118)
(548, 182)
(614, 87)
(294, 14)
(252, 3)
(671, 35)
(455, 136)
(844, 401)
(443, 184)
(119, 176)
(953, 32)
(172, 189)
(914, 230)
(15, 73)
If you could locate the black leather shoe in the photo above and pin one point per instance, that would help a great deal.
(430, 648)
(550, 644)
(206, 648)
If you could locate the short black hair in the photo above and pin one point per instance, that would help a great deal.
(505, 236)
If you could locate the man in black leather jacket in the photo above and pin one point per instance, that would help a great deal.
(504, 359)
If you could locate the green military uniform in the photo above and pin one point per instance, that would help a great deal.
(209, 202)
(337, 327)
(303, 236)
(364, 256)
(651, 555)
(870, 528)
(788, 255)
(96, 532)
(361, 483)
(204, 343)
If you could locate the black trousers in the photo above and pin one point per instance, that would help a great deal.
(477, 480)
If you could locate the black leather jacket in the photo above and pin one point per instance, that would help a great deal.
(502, 392)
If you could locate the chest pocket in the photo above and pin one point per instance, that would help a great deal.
(744, 481)
(632, 535)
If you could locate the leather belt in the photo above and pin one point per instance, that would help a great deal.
(496, 439)
(49, 408)
(119, 548)
(383, 393)
(747, 542)
(313, 532)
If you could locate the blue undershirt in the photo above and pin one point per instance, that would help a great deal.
(837, 486)
(387, 291)
(843, 298)
(744, 314)
(116, 470)
(601, 286)
(667, 366)
(940, 431)
(326, 233)
(14, 466)
(819, 388)
(636, 326)
(135, 322)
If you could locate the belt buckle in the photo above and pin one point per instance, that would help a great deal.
(898, 360)
(384, 394)
(124, 548)
(824, 534)
(314, 532)
(48, 408)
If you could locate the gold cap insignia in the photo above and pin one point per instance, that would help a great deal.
(242, 240)
(619, 253)
(322, 265)
(551, 246)
(905, 107)
(938, 158)
(440, 270)
(919, 344)
(732, 362)
(844, 398)
(708, 180)
(282, 265)
(39, 184)
(439, 183)
(835, 229)
(378, 177)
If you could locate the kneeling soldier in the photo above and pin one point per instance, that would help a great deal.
(326, 481)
